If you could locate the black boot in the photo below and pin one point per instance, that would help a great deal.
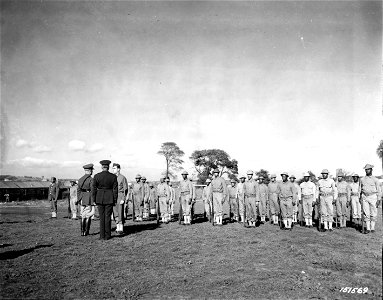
(83, 222)
(88, 221)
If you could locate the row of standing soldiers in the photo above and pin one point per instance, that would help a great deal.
(250, 199)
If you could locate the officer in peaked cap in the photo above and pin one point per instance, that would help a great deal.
(105, 193)
(273, 199)
(84, 198)
(371, 194)
(327, 193)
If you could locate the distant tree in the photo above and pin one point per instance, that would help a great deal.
(205, 161)
(172, 154)
(313, 178)
(263, 173)
(379, 152)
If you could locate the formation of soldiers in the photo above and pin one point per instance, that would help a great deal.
(251, 200)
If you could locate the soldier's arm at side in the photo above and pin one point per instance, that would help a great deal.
(57, 190)
(335, 189)
(115, 190)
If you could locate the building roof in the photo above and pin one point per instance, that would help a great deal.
(24, 184)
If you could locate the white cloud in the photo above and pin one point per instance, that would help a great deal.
(42, 148)
(70, 164)
(76, 145)
(32, 162)
(22, 143)
(95, 147)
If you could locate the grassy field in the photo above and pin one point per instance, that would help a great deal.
(42, 258)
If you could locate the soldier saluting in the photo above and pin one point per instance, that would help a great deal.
(84, 197)
(104, 193)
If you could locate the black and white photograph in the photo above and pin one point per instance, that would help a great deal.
(191, 149)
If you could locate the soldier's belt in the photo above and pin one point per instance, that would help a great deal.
(218, 192)
(250, 195)
(161, 195)
(308, 196)
(185, 193)
(263, 194)
(85, 191)
(232, 197)
(272, 193)
(326, 194)
(354, 194)
(285, 197)
(369, 194)
(100, 189)
(342, 194)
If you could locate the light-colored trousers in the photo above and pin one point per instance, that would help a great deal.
(274, 206)
(185, 203)
(356, 207)
(341, 206)
(262, 206)
(307, 203)
(206, 204)
(369, 207)
(87, 211)
(240, 204)
(251, 208)
(218, 207)
(73, 205)
(286, 208)
(171, 207)
(234, 206)
(118, 213)
(326, 208)
(138, 206)
(163, 206)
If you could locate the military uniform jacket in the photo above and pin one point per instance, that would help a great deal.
(344, 190)
(326, 187)
(105, 188)
(145, 192)
(218, 185)
(308, 190)
(138, 192)
(354, 189)
(287, 190)
(172, 194)
(251, 189)
(163, 191)
(73, 193)
(206, 193)
(152, 196)
(272, 186)
(53, 191)
(233, 191)
(122, 187)
(84, 190)
(370, 186)
(186, 189)
(263, 191)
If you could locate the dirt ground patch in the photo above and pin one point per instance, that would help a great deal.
(48, 259)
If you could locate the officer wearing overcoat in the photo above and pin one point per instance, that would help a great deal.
(84, 198)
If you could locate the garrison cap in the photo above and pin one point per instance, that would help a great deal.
(273, 176)
(233, 181)
(143, 178)
(368, 166)
(184, 173)
(242, 176)
(355, 175)
(208, 180)
(105, 162)
(293, 176)
(116, 165)
(324, 171)
(285, 173)
(138, 176)
(88, 167)
(306, 174)
(250, 172)
(216, 171)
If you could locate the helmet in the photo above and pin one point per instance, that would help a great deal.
(138, 176)
(306, 174)
(232, 181)
(293, 176)
(368, 166)
(273, 176)
(250, 172)
(184, 173)
(143, 178)
(208, 180)
(285, 173)
(242, 176)
(324, 171)
(216, 171)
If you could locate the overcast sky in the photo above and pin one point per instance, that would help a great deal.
(284, 86)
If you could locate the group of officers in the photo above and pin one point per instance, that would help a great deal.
(249, 200)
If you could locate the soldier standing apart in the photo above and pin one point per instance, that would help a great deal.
(287, 196)
(343, 200)
(251, 196)
(186, 193)
(152, 199)
(53, 196)
(273, 199)
(84, 198)
(308, 196)
(118, 209)
(263, 198)
(298, 197)
(327, 194)
(146, 192)
(73, 199)
(163, 193)
(105, 193)
(233, 199)
(355, 204)
(206, 196)
(138, 198)
(371, 193)
(219, 194)
(241, 198)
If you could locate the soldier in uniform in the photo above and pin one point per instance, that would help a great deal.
(287, 196)
(105, 193)
(146, 192)
(194, 197)
(241, 198)
(298, 197)
(233, 198)
(53, 196)
(308, 196)
(84, 198)
(355, 204)
(118, 209)
(263, 198)
(343, 200)
(73, 199)
(327, 194)
(206, 196)
(138, 197)
(251, 196)
(186, 194)
(371, 194)
(152, 199)
(171, 199)
(219, 194)
(163, 194)
(273, 199)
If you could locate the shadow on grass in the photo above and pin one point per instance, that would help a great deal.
(17, 222)
(138, 227)
(17, 253)
(5, 245)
